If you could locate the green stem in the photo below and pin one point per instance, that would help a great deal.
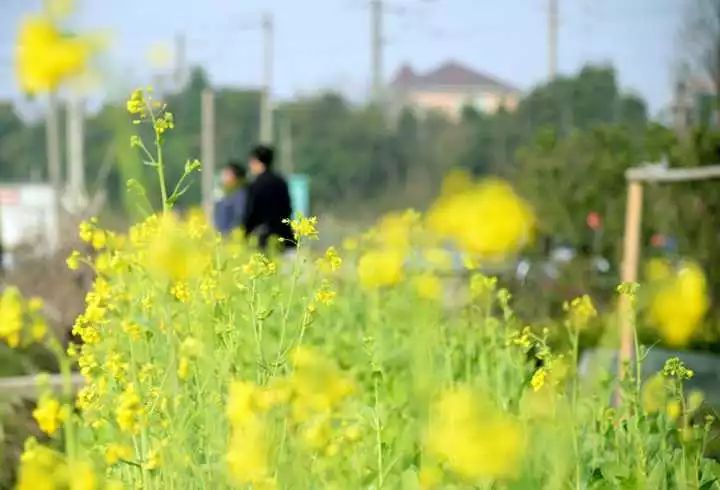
(378, 437)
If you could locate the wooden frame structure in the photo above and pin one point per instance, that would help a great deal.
(636, 177)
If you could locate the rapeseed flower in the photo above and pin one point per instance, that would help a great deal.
(303, 227)
(380, 268)
(73, 260)
(330, 261)
(487, 219)
(171, 253)
(46, 57)
(129, 412)
(580, 311)
(117, 452)
(317, 385)
(247, 455)
(50, 414)
(472, 438)
(538, 379)
(11, 316)
(679, 303)
(428, 286)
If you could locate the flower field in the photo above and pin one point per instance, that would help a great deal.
(371, 364)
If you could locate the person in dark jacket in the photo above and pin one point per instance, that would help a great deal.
(268, 201)
(229, 213)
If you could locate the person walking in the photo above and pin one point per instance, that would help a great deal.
(268, 208)
(229, 212)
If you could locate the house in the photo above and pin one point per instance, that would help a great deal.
(449, 88)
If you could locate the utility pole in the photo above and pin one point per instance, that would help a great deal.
(207, 149)
(76, 197)
(552, 38)
(52, 134)
(266, 109)
(376, 63)
(180, 69)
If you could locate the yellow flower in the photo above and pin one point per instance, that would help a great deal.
(99, 239)
(154, 460)
(330, 261)
(50, 414)
(241, 405)
(580, 311)
(428, 286)
(472, 438)
(481, 287)
(136, 103)
(486, 219)
(132, 330)
(73, 260)
(183, 368)
(129, 412)
(11, 316)
(394, 230)
(538, 379)
(164, 123)
(303, 227)
(380, 268)
(259, 266)
(116, 452)
(247, 452)
(317, 384)
(181, 291)
(46, 57)
(325, 295)
(38, 465)
(86, 230)
(171, 253)
(679, 304)
(673, 409)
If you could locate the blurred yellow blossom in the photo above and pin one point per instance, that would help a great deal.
(50, 414)
(679, 303)
(317, 384)
(486, 219)
(11, 316)
(538, 379)
(472, 438)
(73, 260)
(580, 311)
(428, 286)
(117, 452)
(46, 57)
(129, 412)
(330, 261)
(247, 455)
(303, 227)
(380, 268)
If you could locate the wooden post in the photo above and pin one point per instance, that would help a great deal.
(76, 198)
(266, 105)
(631, 256)
(207, 149)
(52, 133)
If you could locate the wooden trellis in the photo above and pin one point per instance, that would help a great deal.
(636, 177)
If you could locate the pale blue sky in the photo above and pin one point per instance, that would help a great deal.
(325, 43)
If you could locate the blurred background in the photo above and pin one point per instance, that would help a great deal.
(369, 103)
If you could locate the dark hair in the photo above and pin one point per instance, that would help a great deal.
(264, 154)
(237, 169)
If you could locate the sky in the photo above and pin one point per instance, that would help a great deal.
(325, 44)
